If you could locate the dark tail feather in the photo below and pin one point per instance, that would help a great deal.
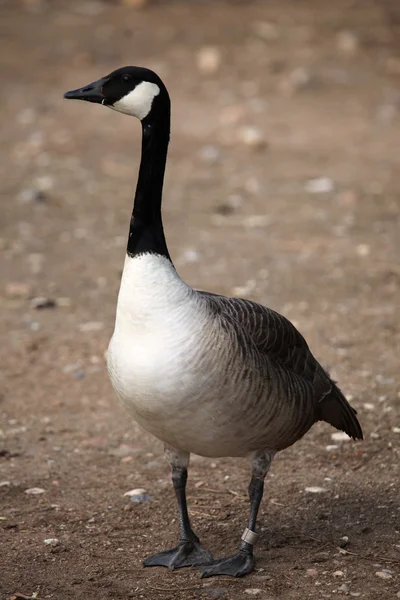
(336, 411)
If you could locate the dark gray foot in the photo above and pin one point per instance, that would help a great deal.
(185, 554)
(238, 565)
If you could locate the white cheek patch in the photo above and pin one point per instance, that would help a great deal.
(139, 101)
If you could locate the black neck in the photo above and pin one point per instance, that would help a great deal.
(146, 232)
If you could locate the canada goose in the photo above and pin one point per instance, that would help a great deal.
(205, 374)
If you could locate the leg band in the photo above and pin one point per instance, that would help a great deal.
(250, 537)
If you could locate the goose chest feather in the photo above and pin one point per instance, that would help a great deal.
(203, 373)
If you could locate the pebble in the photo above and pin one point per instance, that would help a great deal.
(355, 594)
(299, 79)
(253, 591)
(252, 137)
(319, 185)
(331, 447)
(340, 436)
(5, 483)
(369, 406)
(123, 451)
(190, 255)
(16, 289)
(36, 260)
(210, 154)
(312, 572)
(344, 541)
(138, 495)
(34, 491)
(396, 429)
(91, 326)
(266, 30)
(363, 250)
(315, 490)
(338, 574)
(347, 42)
(343, 588)
(41, 302)
(384, 574)
(30, 195)
(44, 183)
(63, 302)
(208, 59)
(52, 542)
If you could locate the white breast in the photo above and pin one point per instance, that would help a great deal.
(153, 354)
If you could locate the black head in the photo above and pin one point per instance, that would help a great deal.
(131, 90)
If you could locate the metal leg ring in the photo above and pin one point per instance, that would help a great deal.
(250, 537)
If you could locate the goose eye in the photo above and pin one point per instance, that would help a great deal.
(126, 78)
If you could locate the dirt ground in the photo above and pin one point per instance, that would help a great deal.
(283, 186)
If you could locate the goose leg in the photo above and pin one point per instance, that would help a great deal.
(242, 563)
(189, 552)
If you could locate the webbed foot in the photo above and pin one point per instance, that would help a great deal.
(237, 565)
(185, 554)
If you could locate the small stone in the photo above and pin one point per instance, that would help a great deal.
(71, 367)
(35, 491)
(338, 574)
(315, 490)
(208, 59)
(252, 137)
(319, 185)
(253, 591)
(369, 406)
(344, 541)
(63, 302)
(266, 30)
(41, 303)
(44, 183)
(374, 435)
(30, 195)
(355, 594)
(123, 451)
(363, 250)
(331, 447)
(138, 495)
(16, 289)
(343, 588)
(52, 542)
(383, 574)
(190, 255)
(199, 484)
(312, 572)
(91, 326)
(299, 79)
(210, 154)
(347, 198)
(347, 42)
(5, 483)
(396, 429)
(340, 436)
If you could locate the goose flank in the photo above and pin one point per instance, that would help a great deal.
(205, 374)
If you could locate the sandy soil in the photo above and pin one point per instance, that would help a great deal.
(318, 84)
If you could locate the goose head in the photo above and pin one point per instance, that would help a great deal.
(134, 91)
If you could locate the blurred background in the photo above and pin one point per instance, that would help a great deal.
(282, 185)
